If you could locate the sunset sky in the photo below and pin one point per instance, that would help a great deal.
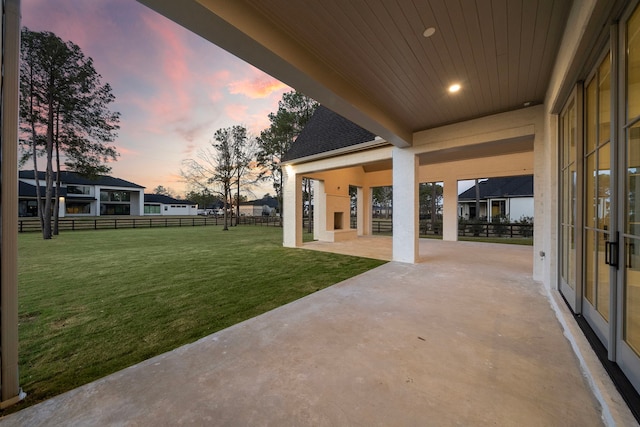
(173, 88)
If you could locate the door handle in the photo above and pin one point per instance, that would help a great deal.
(611, 253)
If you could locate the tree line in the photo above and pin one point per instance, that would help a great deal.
(65, 118)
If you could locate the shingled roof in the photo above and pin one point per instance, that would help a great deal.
(29, 191)
(166, 200)
(510, 186)
(327, 131)
(77, 179)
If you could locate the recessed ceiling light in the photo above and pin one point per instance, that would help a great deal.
(429, 32)
(454, 88)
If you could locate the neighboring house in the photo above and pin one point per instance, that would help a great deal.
(159, 204)
(28, 198)
(81, 196)
(266, 206)
(507, 197)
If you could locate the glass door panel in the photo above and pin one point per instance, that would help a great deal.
(631, 282)
(568, 176)
(603, 203)
(632, 295)
(603, 287)
(597, 200)
(590, 267)
(628, 343)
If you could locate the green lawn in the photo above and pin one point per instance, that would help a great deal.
(94, 302)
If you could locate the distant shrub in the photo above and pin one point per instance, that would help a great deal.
(525, 226)
(500, 225)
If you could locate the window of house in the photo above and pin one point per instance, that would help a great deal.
(77, 208)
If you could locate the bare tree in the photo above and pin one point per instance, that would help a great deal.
(225, 164)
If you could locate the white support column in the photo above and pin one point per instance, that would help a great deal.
(10, 390)
(405, 206)
(62, 207)
(360, 212)
(450, 210)
(368, 204)
(292, 209)
(545, 187)
(319, 210)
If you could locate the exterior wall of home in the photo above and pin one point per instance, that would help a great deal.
(515, 208)
(136, 202)
(546, 153)
(176, 209)
(250, 210)
(520, 207)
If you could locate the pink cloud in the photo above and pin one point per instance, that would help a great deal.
(174, 53)
(237, 112)
(257, 87)
(124, 151)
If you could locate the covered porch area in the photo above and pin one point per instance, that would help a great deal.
(463, 337)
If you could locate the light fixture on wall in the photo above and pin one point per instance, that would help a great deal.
(429, 32)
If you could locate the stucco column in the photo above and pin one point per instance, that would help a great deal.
(319, 210)
(360, 213)
(368, 211)
(405, 206)
(545, 184)
(292, 209)
(450, 210)
(9, 380)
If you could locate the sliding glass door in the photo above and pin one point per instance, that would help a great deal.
(628, 331)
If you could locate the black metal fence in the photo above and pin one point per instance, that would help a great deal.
(484, 229)
(103, 223)
(379, 226)
(467, 229)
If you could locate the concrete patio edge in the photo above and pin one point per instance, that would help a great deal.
(615, 411)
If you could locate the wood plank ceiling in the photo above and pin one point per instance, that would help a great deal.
(500, 51)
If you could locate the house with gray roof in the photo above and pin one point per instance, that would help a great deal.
(507, 197)
(80, 196)
(266, 206)
(160, 204)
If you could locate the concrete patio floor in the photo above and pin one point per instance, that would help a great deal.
(463, 338)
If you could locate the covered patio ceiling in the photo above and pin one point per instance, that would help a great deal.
(369, 60)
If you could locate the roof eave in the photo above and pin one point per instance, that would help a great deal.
(377, 142)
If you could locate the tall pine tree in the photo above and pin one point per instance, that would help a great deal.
(64, 112)
(294, 111)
